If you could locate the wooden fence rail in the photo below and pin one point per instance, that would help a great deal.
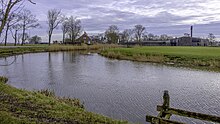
(165, 112)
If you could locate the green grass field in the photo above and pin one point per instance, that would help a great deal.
(196, 57)
(24, 107)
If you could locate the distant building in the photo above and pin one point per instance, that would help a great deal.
(188, 41)
(84, 39)
(147, 43)
(96, 39)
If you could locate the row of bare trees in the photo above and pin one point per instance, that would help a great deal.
(14, 18)
(70, 26)
(18, 24)
(17, 20)
(138, 34)
(112, 33)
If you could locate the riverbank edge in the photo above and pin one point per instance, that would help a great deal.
(6, 52)
(21, 106)
(164, 59)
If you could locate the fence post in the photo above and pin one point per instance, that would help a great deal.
(166, 104)
(165, 112)
(166, 100)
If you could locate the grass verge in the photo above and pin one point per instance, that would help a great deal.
(205, 58)
(5, 52)
(24, 107)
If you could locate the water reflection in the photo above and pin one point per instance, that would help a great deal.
(118, 89)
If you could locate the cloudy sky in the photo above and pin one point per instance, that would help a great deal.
(172, 17)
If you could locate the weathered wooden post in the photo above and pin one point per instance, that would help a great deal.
(166, 100)
(166, 104)
(165, 112)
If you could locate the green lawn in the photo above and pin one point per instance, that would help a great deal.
(196, 57)
(198, 52)
(24, 107)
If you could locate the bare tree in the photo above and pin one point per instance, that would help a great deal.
(14, 32)
(164, 37)
(12, 20)
(27, 21)
(54, 19)
(6, 7)
(74, 28)
(211, 38)
(112, 34)
(151, 36)
(35, 40)
(19, 38)
(6, 30)
(65, 27)
(127, 35)
(139, 31)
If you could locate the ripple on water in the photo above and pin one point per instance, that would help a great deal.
(119, 89)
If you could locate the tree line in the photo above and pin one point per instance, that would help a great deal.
(138, 34)
(16, 20)
(70, 26)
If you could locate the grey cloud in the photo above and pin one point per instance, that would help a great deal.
(102, 13)
(128, 20)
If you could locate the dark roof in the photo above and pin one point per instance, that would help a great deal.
(84, 35)
(194, 39)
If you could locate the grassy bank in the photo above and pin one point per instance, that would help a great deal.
(21, 107)
(24, 107)
(4, 52)
(206, 58)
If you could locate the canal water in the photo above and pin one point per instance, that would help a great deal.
(116, 88)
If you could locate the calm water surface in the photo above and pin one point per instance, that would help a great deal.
(118, 89)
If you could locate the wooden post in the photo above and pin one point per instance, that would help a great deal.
(166, 112)
(166, 104)
(163, 117)
(166, 100)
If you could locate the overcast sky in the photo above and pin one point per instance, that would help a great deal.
(172, 17)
